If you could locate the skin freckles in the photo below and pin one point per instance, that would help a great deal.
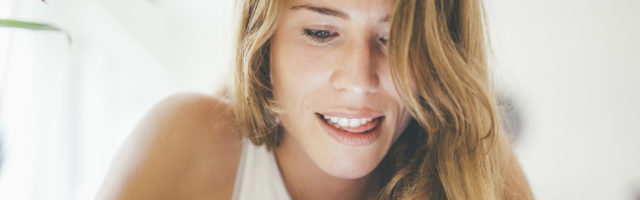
(330, 56)
(327, 59)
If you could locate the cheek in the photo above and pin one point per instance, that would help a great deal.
(297, 74)
(402, 115)
(390, 87)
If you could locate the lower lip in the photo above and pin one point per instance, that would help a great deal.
(352, 139)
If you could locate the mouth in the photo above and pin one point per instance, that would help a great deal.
(352, 130)
(353, 125)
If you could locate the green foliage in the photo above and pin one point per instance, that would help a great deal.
(10, 23)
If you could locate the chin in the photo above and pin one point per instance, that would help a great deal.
(349, 162)
(348, 168)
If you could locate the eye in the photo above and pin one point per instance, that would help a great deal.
(321, 36)
(383, 40)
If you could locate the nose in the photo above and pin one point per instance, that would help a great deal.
(357, 71)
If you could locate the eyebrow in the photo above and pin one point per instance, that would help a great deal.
(331, 12)
(322, 10)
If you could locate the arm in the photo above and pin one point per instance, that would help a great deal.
(187, 147)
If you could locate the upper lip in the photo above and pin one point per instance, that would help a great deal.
(352, 114)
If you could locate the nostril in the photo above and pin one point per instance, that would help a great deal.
(358, 83)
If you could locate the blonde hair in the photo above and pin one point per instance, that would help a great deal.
(449, 150)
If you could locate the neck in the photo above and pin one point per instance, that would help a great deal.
(305, 180)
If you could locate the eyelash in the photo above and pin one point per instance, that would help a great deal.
(321, 36)
(383, 40)
(324, 36)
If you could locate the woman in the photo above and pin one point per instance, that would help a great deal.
(357, 99)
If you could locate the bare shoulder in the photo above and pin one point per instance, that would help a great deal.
(187, 147)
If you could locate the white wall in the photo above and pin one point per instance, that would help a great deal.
(574, 67)
(570, 64)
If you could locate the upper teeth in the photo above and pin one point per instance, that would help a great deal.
(342, 121)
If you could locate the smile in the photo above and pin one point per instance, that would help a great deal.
(354, 125)
(353, 131)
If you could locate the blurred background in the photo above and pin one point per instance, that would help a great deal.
(570, 69)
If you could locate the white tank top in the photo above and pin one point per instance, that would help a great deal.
(258, 175)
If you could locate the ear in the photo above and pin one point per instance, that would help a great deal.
(268, 56)
(270, 76)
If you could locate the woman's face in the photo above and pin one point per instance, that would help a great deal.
(331, 78)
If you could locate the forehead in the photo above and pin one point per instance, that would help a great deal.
(351, 9)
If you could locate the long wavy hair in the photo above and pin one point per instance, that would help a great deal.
(452, 148)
